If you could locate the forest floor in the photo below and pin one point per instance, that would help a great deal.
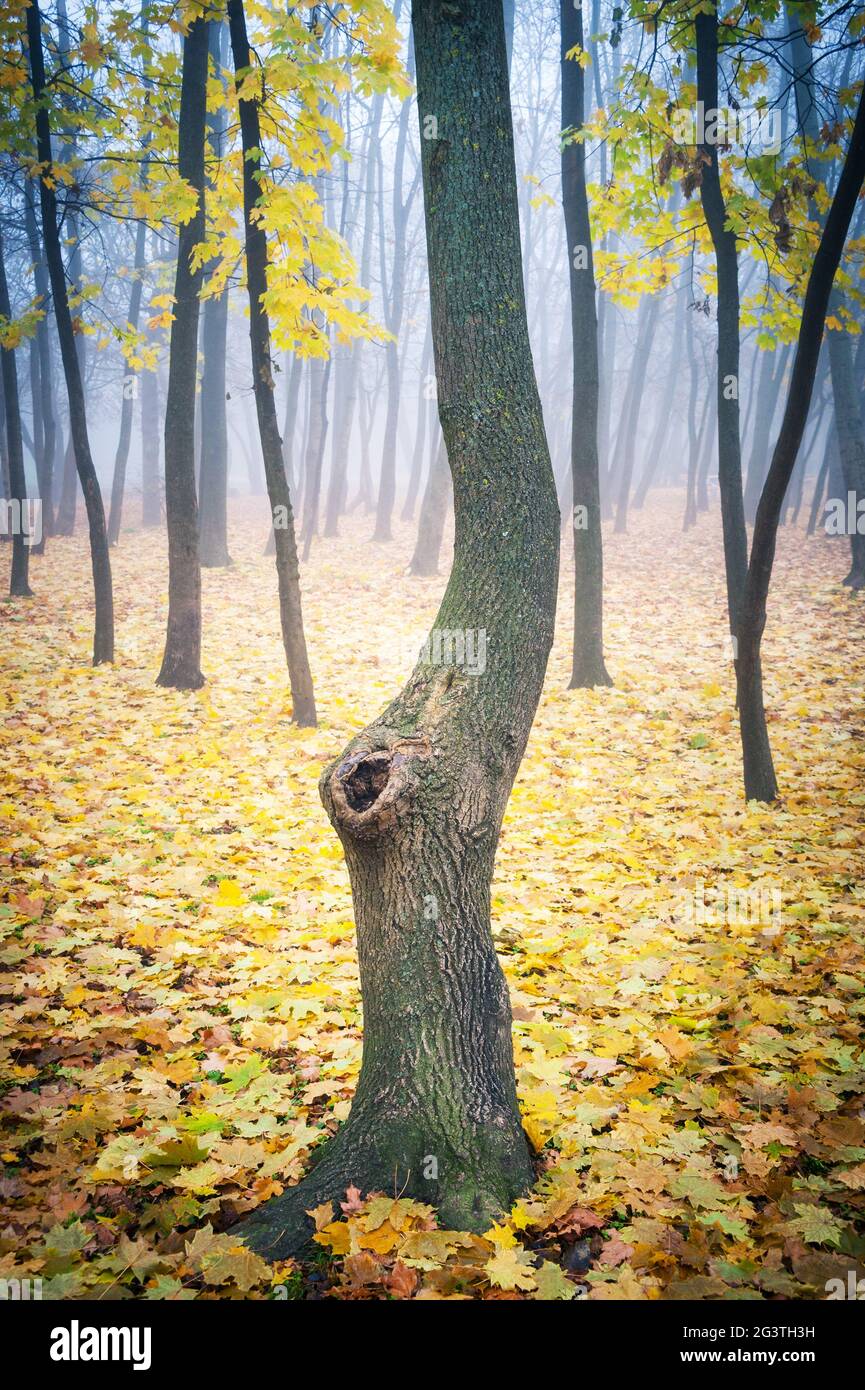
(181, 1015)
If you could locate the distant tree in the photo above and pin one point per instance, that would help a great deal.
(19, 586)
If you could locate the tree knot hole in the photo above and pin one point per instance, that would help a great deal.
(367, 780)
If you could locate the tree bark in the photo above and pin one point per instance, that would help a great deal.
(103, 635)
(587, 666)
(181, 662)
(418, 797)
(290, 611)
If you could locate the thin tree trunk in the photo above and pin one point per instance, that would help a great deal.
(213, 480)
(418, 797)
(587, 666)
(433, 514)
(45, 406)
(103, 636)
(181, 662)
(128, 404)
(18, 581)
(290, 611)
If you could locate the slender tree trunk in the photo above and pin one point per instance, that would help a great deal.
(19, 586)
(395, 298)
(103, 636)
(45, 406)
(319, 369)
(420, 436)
(213, 472)
(181, 662)
(290, 612)
(726, 260)
(771, 375)
(631, 418)
(587, 667)
(851, 438)
(128, 402)
(151, 501)
(759, 772)
(418, 797)
(665, 410)
(433, 514)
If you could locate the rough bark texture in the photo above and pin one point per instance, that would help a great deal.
(18, 581)
(418, 797)
(726, 260)
(290, 612)
(181, 662)
(103, 635)
(760, 781)
(587, 667)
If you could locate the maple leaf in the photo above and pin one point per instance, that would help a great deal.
(511, 1269)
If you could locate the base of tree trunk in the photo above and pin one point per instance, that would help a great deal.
(216, 560)
(495, 1170)
(588, 674)
(177, 673)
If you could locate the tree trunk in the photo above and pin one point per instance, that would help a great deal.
(630, 419)
(726, 260)
(213, 472)
(45, 405)
(418, 797)
(433, 514)
(103, 636)
(587, 667)
(290, 612)
(18, 582)
(394, 314)
(122, 455)
(319, 380)
(181, 662)
(760, 780)
(771, 375)
(407, 513)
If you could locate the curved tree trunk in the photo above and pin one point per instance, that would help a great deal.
(290, 611)
(181, 662)
(587, 667)
(760, 780)
(103, 635)
(418, 797)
